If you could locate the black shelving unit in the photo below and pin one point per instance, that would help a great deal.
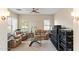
(66, 40)
(62, 38)
(54, 36)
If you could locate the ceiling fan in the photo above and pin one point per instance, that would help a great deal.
(34, 10)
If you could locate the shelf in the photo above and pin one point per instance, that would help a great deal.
(66, 41)
(62, 39)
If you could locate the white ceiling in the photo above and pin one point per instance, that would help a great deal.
(41, 10)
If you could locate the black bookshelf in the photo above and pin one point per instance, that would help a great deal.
(54, 36)
(62, 38)
(66, 40)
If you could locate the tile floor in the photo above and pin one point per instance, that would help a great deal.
(45, 46)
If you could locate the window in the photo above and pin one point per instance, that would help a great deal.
(24, 25)
(46, 24)
(9, 24)
(12, 23)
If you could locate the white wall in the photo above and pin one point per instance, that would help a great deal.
(76, 32)
(64, 18)
(3, 34)
(35, 20)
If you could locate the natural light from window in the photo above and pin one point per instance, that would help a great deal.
(12, 24)
(46, 24)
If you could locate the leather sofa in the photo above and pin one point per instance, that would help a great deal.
(41, 34)
(14, 41)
